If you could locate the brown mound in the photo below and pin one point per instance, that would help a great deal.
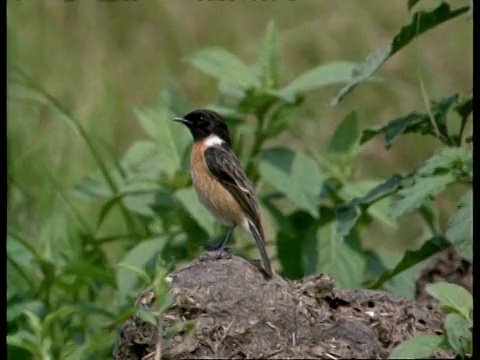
(237, 313)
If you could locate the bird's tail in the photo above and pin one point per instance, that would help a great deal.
(259, 239)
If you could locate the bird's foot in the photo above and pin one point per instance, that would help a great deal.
(215, 247)
(216, 254)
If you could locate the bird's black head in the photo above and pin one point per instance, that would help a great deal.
(202, 123)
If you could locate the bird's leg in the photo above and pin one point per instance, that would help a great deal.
(219, 251)
(221, 246)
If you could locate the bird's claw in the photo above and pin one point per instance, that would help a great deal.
(216, 254)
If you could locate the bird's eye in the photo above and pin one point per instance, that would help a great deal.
(202, 121)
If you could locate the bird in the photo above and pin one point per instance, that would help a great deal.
(220, 181)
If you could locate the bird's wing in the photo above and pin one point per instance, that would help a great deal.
(225, 167)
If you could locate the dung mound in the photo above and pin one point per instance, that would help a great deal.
(237, 313)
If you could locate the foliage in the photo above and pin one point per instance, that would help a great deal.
(458, 326)
(65, 301)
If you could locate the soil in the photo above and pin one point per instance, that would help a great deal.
(237, 313)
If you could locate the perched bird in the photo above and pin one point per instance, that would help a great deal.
(219, 180)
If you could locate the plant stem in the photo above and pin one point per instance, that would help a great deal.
(257, 144)
(462, 129)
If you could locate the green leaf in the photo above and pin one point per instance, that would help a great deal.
(326, 252)
(73, 351)
(295, 230)
(24, 340)
(460, 227)
(445, 159)
(120, 318)
(459, 333)
(380, 211)
(419, 347)
(93, 187)
(224, 66)
(289, 237)
(349, 213)
(307, 175)
(280, 222)
(137, 258)
(181, 137)
(412, 123)
(467, 168)
(17, 309)
(439, 110)
(137, 196)
(150, 122)
(453, 297)
(344, 139)
(141, 202)
(403, 283)
(411, 258)
(22, 257)
(139, 272)
(427, 213)
(337, 258)
(85, 270)
(228, 112)
(171, 142)
(421, 22)
(386, 188)
(294, 174)
(103, 310)
(422, 191)
(189, 200)
(255, 101)
(269, 58)
(35, 323)
(378, 208)
(284, 118)
(138, 152)
(232, 89)
(18, 91)
(419, 123)
(106, 207)
(318, 77)
(465, 107)
(347, 217)
(16, 243)
(56, 315)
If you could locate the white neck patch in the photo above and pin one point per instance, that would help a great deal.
(213, 140)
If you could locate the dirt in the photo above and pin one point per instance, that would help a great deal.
(237, 313)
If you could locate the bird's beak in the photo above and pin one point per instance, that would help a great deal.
(181, 120)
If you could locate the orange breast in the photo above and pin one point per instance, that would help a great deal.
(211, 193)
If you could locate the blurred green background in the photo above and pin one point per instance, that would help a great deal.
(102, 58)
